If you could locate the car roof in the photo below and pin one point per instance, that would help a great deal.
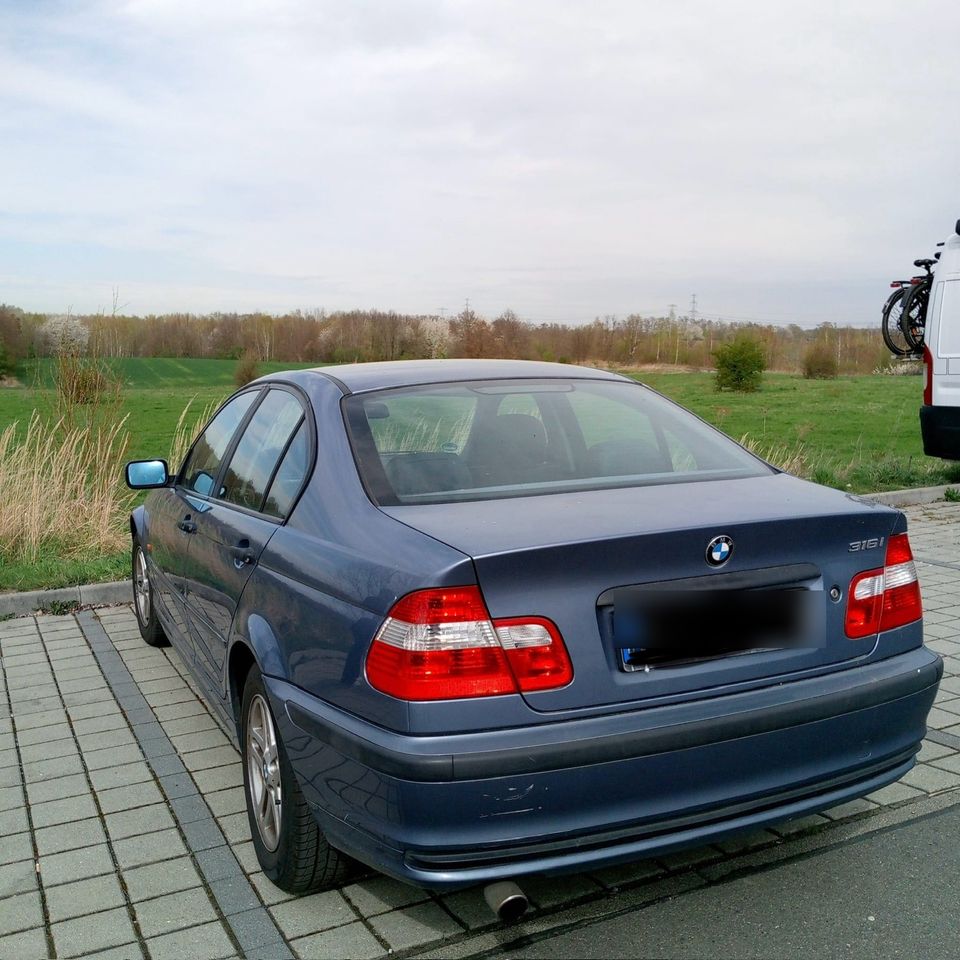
(360, 377)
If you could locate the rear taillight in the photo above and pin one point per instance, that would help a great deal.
(441, 644)
(535, 651)
(887, 597)
(927, 377)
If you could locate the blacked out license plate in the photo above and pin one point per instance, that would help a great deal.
(676, 627)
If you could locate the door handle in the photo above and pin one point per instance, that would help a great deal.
(187, 525)
(242, 555)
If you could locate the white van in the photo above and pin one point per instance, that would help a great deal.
(940, 413)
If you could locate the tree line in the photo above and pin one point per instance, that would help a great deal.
(362, 335)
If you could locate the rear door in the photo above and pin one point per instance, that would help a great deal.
(945, 311)
(266, 461)
(175, 511)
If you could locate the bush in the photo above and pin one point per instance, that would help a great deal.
(820, 363)
(86, 390)
(7, 363)
(246, 370)
(62, 334)
(740, 365)
(84, 380)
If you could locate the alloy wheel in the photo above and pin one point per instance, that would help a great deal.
(263, 769)
(141, 587)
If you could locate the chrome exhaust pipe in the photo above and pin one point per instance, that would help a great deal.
(506, 900)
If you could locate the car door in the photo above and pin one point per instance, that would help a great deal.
(233, 531)
(173, 534)
(166, 547)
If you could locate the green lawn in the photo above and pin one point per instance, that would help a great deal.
(836, 422)
(156, 391)
(875, 414)
(856, 433)
(52, 571)
(861, 433)
(173, 372)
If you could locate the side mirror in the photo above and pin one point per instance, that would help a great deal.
(146, 474)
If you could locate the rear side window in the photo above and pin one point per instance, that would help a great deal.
(203, 462)
(483, 440)
(260, 448)
(289, 476)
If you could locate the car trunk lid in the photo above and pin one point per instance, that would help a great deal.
(584, 560)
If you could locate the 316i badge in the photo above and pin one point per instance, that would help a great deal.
(719, 550)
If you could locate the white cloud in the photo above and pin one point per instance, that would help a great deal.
(561, 158)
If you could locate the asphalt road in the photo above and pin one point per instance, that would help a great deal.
(893, 893)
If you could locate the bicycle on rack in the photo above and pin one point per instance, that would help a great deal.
(905, 312)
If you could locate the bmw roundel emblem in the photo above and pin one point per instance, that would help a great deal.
(719, 551)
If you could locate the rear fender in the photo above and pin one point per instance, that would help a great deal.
(266, 648)
(257, 648)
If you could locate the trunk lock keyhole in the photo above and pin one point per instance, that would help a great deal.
(835, 593)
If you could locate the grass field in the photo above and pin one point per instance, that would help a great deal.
(156, 391)
(858, 433)
(148, 373)
(855, 433)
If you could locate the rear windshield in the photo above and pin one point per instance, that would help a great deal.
(511, 438)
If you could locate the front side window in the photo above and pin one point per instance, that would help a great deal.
(489, 439)
(259, 450)
(203, 463)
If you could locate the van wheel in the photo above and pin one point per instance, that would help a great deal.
(290, 846)
(147, 621)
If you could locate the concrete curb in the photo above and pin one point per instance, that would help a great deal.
(912, 498)
(19, 604)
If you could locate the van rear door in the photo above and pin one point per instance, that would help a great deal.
(940, 413)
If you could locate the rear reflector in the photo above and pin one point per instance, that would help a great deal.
(887, 597)
(441, 644)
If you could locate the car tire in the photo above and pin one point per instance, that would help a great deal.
(147, 621)
(291, 848)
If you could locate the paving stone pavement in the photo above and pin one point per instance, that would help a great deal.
(122, 823)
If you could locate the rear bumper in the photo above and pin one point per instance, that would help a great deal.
(940, 429)
(447, 811)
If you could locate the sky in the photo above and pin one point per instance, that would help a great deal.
(782, 161)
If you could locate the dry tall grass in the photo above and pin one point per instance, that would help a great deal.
(62, 490)
(793, 458)
(185, 432)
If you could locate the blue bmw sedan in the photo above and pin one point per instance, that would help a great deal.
(473, 620)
